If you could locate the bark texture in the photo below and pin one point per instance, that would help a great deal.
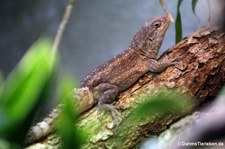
(197, 127)
(200, 73)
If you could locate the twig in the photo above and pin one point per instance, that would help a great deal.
(166, 11)
(209, 7)
(62, 27)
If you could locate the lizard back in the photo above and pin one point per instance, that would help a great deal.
(122, 71)
(126, 68)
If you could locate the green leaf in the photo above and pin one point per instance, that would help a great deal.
(160, 105)
(71, 137)
(163, 104)
(7, 145)
(194, 2)
(1, 85)
(25, 88)
(178, 23)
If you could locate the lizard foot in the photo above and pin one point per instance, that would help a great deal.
(174, 61)
(116, 115)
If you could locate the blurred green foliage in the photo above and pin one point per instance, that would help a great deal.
(193, 3)
(165, 102)
(25, 87)
(71, 136)
(178, 22)
(33, 81)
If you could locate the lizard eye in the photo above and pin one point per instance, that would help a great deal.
(157, 24)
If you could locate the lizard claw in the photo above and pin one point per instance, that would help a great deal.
(116, 115)
(173, 61)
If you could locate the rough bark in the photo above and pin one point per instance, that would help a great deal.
(200, 73)
(197, 127)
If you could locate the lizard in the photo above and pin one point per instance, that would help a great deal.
(102, 85)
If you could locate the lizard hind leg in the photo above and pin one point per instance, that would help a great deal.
(84, 99)
(107, 93)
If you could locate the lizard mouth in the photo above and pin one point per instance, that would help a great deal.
(170, 17)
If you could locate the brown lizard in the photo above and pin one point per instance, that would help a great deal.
(105, 82)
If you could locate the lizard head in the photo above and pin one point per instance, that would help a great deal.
(149, 38)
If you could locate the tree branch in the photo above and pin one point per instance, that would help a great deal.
(200, 73)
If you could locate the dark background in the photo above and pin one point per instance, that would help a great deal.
(97, 31)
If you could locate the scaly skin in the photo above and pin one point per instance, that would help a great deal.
(105, 82)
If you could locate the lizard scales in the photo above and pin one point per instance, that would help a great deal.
(118, 74)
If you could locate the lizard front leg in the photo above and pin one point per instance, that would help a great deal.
(160, 65)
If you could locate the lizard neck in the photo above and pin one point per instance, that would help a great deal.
(151, 54)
